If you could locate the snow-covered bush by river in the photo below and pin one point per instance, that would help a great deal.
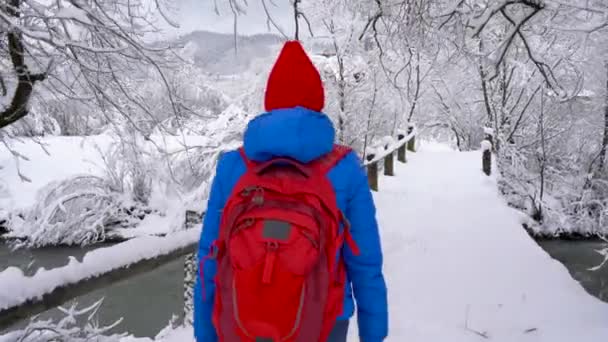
(85, 188)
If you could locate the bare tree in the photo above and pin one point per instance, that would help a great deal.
(604, 147)
(85, 51)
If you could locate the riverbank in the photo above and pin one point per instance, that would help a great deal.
(145, 302)
(579, 257)
(567, 236)
(578, 253)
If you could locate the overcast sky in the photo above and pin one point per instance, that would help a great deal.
(200, 15)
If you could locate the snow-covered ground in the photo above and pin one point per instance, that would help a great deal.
(50, 159)
(458, 264)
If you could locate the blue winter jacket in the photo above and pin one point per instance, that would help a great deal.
(303, 135)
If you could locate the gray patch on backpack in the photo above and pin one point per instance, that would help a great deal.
(263, 339)
(278, 230)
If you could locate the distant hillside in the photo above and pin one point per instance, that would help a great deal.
(215, 52)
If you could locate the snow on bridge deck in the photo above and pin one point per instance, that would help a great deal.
(457, 262)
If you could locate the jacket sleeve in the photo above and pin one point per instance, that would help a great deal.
(204, 330)
(365, 269)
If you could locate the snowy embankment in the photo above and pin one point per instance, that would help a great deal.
(458, 264)
(16, 288)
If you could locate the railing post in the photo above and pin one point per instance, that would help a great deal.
(489, 136)
(372, 172)
(401, 152)
(411, 145)
(486, 159)
(389, 169)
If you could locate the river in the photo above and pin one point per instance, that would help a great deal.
(578, 257)
(147, 302)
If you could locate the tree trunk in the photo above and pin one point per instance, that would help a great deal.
(25, 80)
(604, 150)
(417, 93)
(342, 102)
(484, 87)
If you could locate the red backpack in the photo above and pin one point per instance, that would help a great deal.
(279, 278)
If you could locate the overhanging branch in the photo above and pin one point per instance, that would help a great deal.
(25, 79)
(542, 67)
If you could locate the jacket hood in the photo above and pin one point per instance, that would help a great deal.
(298, 133)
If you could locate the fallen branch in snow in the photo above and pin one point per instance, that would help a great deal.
(604, 253)
(483, 334)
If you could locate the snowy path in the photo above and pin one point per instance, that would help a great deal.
(452, 245)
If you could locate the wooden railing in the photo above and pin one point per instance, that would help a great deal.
(405, 141)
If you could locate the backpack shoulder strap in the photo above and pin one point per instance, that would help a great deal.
(331, 159)
(248, 162)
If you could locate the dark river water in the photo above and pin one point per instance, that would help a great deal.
(147, 302)
(578, 257)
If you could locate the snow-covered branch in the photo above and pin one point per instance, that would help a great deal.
(79, 51)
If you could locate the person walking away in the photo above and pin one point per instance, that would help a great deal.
(290, 240)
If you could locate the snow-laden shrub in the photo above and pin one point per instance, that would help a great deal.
(564, 198)
(131, 166)
(80, 210)
(35, 124)
(589, 210)
(74, 211)
(192, 167)
(4, 221)
(193, 99)
(75, 118)
(189, 125)
(204, 104)
(10, 221)
(68, 329)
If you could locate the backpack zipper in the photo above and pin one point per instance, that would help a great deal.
(271, 255)
(309, 237)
